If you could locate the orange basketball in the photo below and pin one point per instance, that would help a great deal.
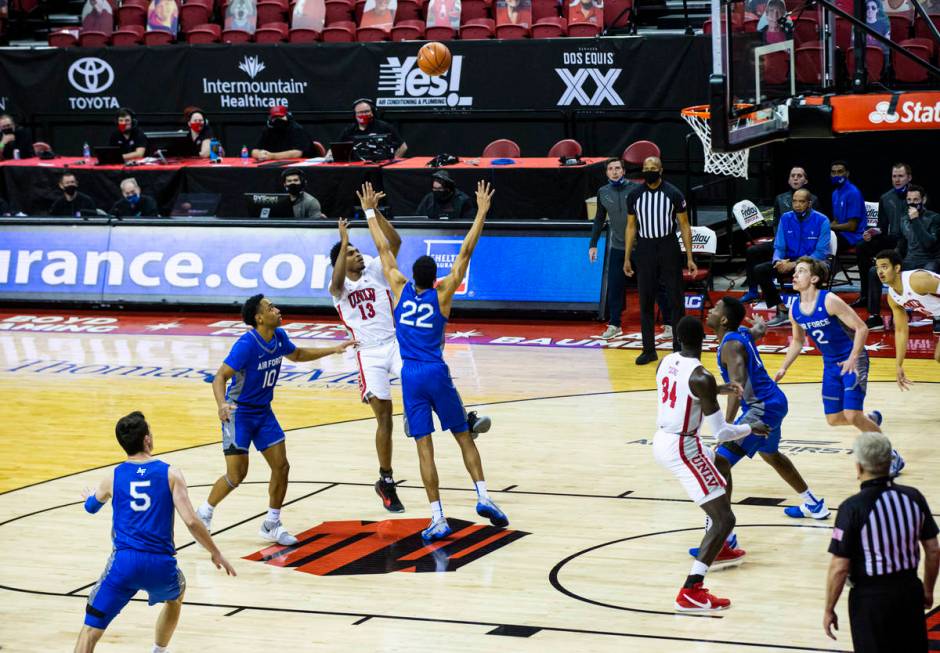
(434, 58)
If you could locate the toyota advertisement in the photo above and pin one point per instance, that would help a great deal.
(211, 265)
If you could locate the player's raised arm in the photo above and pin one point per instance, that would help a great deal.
(185, 509)
(448, 286)
(367, 198)
(837, 307)
(394, 240)
(304, 354)
(797, 341)
(758, 327)
(339, 270)
(901, 328)
(97, 496)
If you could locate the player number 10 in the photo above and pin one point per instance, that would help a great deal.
(270, 378)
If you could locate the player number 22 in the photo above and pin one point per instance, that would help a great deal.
(669, 397)
(424, 311)
(140, 501)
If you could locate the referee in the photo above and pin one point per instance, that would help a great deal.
(875, 543)
(653, 210)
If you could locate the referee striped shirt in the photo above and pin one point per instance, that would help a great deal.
(880, 530)
(655, 209)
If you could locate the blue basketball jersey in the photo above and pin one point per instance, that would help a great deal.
(257, 364)
(759, 388)
(832, 338)
(419, 325)
(142, 504)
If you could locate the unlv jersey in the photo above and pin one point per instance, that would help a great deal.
(679, 410)
(927, 305)
(365, 307)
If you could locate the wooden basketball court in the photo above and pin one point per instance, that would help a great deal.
(592, 559)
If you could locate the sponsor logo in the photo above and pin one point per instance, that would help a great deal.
(403, 84)
(444, 253)
(910, 112)
(589, 86)
(694, 302)
(253, 93)
(791, 447)
(346, 548)
(91, 75)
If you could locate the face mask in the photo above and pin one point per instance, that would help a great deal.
(363, 121)
(902, 190)
(617, 183)
(294, 189)
(917, 207)
(280, 125)
(651, 176)
(122, 127)
(196, 126)
(837, 180)
(133, 199)
(6, 130)
(442, 194)
(70, 190)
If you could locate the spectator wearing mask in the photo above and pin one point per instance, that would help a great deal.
(920, 233)
(282, 137)
(134, 205)
(801, 232)
(849, 218)
(304, 204)
(129, 136)
(13, 138)
(367, 123)
(763, 252)
(72, 203)
(446, 201)
(200, 132)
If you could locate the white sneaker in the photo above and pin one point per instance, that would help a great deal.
(611, 332)
(205, 518)
(667, 332)
(277, 534)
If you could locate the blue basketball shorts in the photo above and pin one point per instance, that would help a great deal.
(771, 414)
(844, 391)
(127, 572)
(248, 426)
(428, 387)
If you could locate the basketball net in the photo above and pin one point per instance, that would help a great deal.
(726, 164)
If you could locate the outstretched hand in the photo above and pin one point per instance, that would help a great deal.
(484, 195)
(343, 225)
(369, 197)
(903, 382)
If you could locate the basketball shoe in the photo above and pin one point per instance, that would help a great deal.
(486, 508)
(478, 424)
(897, 463)
(698, 599)
(816, 510)
(436, 530)
(730, 543)
(729, 556)
(389, 496)
(275, 532)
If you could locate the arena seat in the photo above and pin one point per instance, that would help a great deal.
(472, 9)
(901, 27)
(440, 33)
(704, 247)
(128, 35)
(341, 32)
(93, 39)
(236, 36)
(638, 152)
(874, 62)
(921, 31)
(372, 34)
(407, 10)
(271, 11)
(502, 148)
(208, 33)
(550, 27)
(618, 13)
(567, 147)
(510, 32)
(809, 65)
(776, 68)
(158, 38)
(843, 34)
(477, 28)
(338, 11)
(544, 9)
(131, 15)
(805, 30)
(583, 29)
(272, 33)
(303, 35)
(408, 30)
(193, 14)
(318, 149)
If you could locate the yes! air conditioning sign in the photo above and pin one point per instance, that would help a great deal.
(883, 112)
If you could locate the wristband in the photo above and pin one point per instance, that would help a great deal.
(370, 214)
(92, 505)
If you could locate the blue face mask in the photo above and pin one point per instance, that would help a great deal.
(133, 199)
(902, 190)
(617, 183)
(837, 180)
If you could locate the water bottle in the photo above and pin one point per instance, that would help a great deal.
(86, 152)
(214, 151)
(245, 155)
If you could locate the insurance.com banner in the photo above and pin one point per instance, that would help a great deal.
(207, 265)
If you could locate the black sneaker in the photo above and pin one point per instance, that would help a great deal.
(875, 323)
(389, 496)
(936, 325)
(477, 424)
(646, 357)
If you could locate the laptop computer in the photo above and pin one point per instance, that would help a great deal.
(269, 205)
(342, 152)
(108, 155)
(194, 205)
(170, 144)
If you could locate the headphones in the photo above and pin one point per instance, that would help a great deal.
(131, 113)
(367, 101)
(289, 116)
(188, 115)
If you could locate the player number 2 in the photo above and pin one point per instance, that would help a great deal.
(140, 501)
(424, 311)
(669, 397)
(366, 310)
(820, 337)
(270, 378)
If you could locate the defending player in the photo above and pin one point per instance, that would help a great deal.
(911, 290)
(145, 491)
(763, 402)
(363, 299)
(244, 408)
(688, 391)
(839, 334)
(421, 314)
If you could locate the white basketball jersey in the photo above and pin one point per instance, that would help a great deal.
(679, 410)
(365, 307)
(927, 305)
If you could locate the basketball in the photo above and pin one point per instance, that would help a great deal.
(434, 58)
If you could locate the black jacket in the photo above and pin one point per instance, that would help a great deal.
(458, 207)
(82, 204)
(146, 208)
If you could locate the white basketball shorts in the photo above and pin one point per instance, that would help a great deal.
(691, 463)
(377, 367)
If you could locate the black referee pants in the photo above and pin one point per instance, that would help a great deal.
(889, 618)
(659, 261)
(616, 288)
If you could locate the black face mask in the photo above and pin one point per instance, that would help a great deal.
(280, 125)
(70, 190)
(442, 195)
(918, 207)
(6, 130)
(295, 189)
(651, 176)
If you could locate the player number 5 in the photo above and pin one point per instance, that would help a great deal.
(140, 501)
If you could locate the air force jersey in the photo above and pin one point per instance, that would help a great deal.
(420, 325)
(759, 388)
(832, 338)
(257, 364)
(142, 505)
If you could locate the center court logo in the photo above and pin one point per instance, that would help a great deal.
(346, 548)
(253, 93)
(444, 253)
(590, 87)
(402, 84)
(91, 75)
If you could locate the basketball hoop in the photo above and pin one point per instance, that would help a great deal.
(727, 164)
